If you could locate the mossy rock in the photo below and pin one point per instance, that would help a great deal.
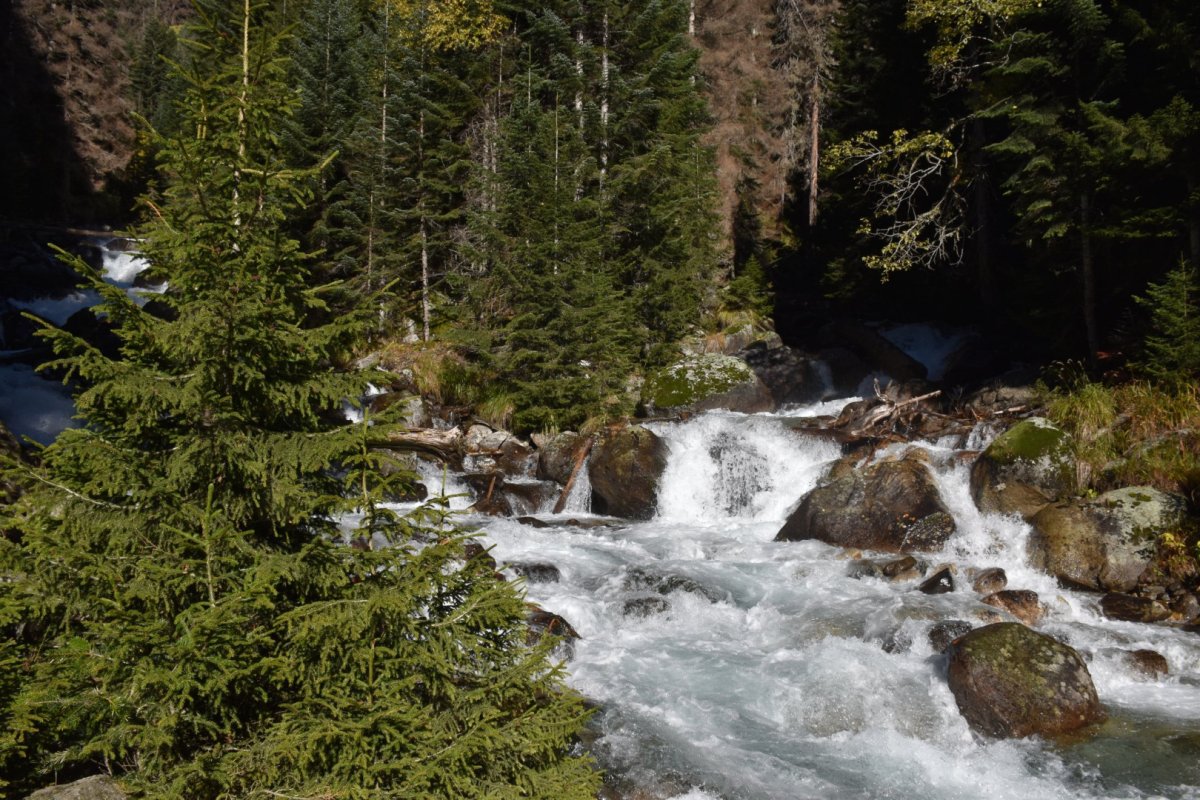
(1027, 467)
(625, 468)
(1107, 544)
(705, 382)
(1012, 682)
(97, 787)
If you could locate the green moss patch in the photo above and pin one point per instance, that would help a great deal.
(693, 379)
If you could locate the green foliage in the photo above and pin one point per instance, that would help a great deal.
(183, 608)
(1172, 348)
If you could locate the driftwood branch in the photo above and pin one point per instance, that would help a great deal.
(580, 457)
(888, 411)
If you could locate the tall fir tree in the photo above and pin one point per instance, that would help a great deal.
(191, 619)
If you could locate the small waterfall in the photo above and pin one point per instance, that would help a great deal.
(732, 466)
(579, 501)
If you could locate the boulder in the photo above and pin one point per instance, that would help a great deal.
(1027, 467)
(989, 581)
(1128, 608)
(542, 623)
(640, 580)
(1107, 544)
(702, 383)
(1012, 682)
(941, 582)
(891, 505)
(625, 468)
(97, 787)
(789, 375)
(841, 370)
(943, 633)
(1021, 603)
(556, 457)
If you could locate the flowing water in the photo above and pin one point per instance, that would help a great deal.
(765, 677)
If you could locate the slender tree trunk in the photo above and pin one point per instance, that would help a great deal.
(692, 18)
(604, 102)
(814, 148)
(426, 305)
(1087, 270)
(241, 115)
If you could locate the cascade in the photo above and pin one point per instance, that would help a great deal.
(727, 665)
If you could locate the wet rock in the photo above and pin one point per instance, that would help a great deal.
(625, 469)
(945, 632)
(96, 331)
(1012, 682)
(702, 383)
(1027, 467)
(542, 623)
(536, 571)
(1148, 663)
(534, 522)
(556, 457)
(1107, 544)
(898, 641)
(97, 787)
(498, 496)
(895, 570)
(474, 550)
(1021, 603)
(844, 370)
(1185, 607)
(990, 581)
(645, 607)
(892, 506)
(1129, 608)
(640, 580)
(940, 582)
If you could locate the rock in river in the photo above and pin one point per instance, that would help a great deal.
(1012, 682)
(892, 505)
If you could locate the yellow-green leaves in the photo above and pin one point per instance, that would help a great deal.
(450, 24)
(917, 214)
(958, 21)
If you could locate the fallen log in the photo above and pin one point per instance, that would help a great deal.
(441, 444)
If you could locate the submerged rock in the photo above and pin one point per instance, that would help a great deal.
(645, 607)
(536, 571)
(1106, 544)
(943, 633)
(892, 506)
(705, 382)
(542, 623)
(1147, 663)
(1012, 682)
(1027, 467)
(625, 468)
(895, 570)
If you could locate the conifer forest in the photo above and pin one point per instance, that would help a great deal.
(619, 399)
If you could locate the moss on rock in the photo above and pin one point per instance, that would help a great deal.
(702, 382)
(1029, 465)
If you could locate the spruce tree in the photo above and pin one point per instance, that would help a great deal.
(1172, 348)
(182, 603)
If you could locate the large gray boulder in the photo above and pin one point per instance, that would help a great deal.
(703, 383)
(892, 506)
(97, 787)
(1027, 467)
(625, 468)
(1012, 682)
(1107, 544)
(556, 456)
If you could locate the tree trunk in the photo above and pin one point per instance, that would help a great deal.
(604, 103)
(814, 148)
(1087, 269)
(425, 301)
